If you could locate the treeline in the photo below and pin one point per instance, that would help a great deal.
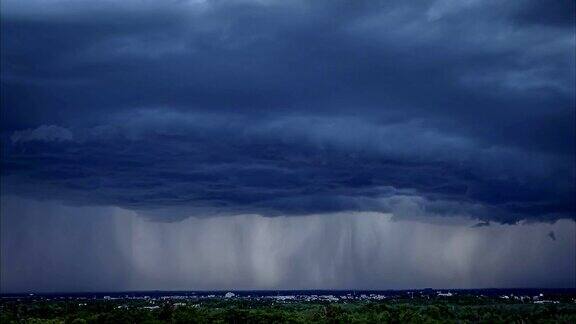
(274, 312)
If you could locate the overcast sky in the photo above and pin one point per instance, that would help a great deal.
(152, 144)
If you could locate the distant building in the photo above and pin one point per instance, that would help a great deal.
(229, 295)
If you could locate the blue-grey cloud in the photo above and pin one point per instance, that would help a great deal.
(222, 107)
(44, 133)
(481, 224)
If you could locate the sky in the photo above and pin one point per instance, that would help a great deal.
(266, 144)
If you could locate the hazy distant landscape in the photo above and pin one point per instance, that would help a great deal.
(414, 306)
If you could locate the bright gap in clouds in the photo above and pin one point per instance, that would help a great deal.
(47, 246)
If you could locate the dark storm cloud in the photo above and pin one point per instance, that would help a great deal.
(560, 13)
(416, 108)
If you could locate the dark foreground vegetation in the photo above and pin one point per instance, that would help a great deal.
(421, 309)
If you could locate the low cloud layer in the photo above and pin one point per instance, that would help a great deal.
(180, 108)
